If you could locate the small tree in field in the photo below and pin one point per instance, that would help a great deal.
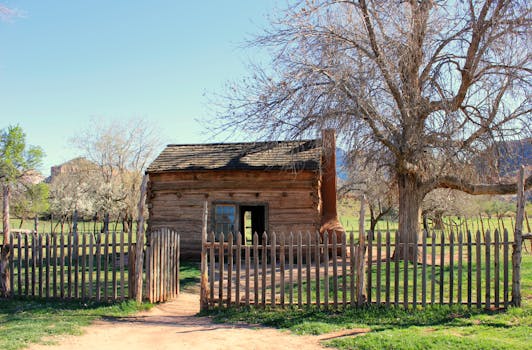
(424, 86)
(16, 159)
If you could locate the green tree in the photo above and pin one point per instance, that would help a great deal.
(30, 200)
(16, 159)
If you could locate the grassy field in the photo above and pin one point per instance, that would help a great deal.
(435, 327)
(25, 321)
(36, 321)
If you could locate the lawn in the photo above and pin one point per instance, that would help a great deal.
(435, 327)
(37, 321)
(25, 321)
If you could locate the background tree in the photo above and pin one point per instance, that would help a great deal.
(423, 85)
(121, 152)
(16, 159)
(30, 200)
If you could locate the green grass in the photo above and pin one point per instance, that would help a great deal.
(434, 327)
(24, 321)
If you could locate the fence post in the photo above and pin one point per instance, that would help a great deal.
(517, 245)
(204, 285)
(140, 241)
(361, 261)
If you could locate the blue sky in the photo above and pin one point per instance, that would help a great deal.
(65, 62)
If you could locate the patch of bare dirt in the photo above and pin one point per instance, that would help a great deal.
(173, 325)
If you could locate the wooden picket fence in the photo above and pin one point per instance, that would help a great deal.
(73, 265)
(97, 266)
(298, 270)
(162, 265)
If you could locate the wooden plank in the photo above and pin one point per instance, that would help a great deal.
(178, 259)
(334, 258)
(344, 270)
(282, 270)
(424, 269)
(517, 244)
(212, 266)
(106, 267)
(451, 268)
(12, 264)
(273, 269)
(488, 268)
(122, 266)
(469, 269)
(75, 256)
(370, 267)
(479, 272)
(83, 266)
(309, 260)
(247, 263)
(70, 251)
(34, 257)
(414, 274)
(229, 269)
(496, 267)
(19, 263)
(433, 270)
(41, 264)
(379, 268)
(442, 267)
(460, 266)
(505, 258)
(99, 266)
(396, 268)
(299, 270)
(62, 267)
(256, 268)
(388, 269)
(405, 275)
(291, 269)
(238, 267)
(48, 260)
(352, 261)
(91, 264)
(325, 270)
(264, 265)
(317, 282)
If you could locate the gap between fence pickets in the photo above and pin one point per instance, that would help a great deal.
(445, 278)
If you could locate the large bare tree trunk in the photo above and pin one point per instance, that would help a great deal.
(410, 198)
(4, 257)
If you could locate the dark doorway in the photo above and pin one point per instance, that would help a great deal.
(252, 219)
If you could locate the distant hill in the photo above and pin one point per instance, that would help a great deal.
(513, 154)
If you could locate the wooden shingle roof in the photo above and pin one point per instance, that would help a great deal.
(271, 155)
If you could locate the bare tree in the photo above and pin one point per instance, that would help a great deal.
(424, 85)
(121, 152)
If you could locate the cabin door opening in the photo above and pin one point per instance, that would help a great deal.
(252, 219)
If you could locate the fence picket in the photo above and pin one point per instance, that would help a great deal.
(460, 267)
(424, 269)
(238, 267)
(496, 266)
(299, 271)
(451, 268)
(309, 266)
(396, 268)
(505, 269)
(281, 269)
(229, 268)
(479, 272)
(352, 271)
(264, 253)
(291, 269)
(388, 269)
(469, 269)
(211, 268)
(344, 270)
(433, 269)
(379, 266)
(273, 264)
(334, 257)
(488, 268)
(325, 271)
(318, 268)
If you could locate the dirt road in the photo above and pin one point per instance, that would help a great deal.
(173, 326)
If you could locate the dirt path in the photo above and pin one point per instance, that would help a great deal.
(173, 326)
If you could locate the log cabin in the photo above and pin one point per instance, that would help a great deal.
(278, 186)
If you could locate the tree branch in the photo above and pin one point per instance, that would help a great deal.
(456, 183)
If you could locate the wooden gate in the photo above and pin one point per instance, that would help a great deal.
(162, 265)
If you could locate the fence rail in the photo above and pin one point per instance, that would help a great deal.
(330, 271)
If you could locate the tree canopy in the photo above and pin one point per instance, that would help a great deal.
(424, 86)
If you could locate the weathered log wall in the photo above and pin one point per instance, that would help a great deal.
(175, 200)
